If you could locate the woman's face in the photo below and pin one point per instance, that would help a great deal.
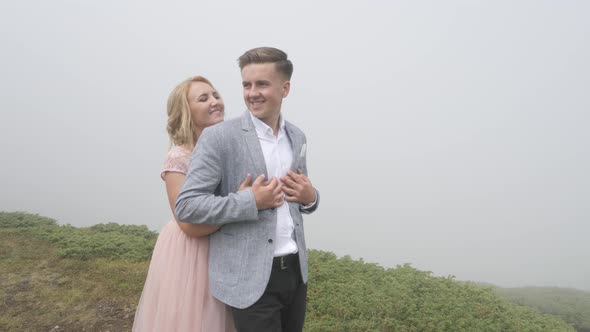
(206, 105)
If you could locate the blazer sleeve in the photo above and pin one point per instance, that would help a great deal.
(197, 202)
(310, 209)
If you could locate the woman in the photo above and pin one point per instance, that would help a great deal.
(176, 294)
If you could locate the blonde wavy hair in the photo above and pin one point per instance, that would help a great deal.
(180, 125)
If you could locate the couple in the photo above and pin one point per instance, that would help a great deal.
(238, 208)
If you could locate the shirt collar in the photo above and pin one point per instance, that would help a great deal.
(263, 128)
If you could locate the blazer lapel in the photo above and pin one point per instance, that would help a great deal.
(296, 145)
(253, 146)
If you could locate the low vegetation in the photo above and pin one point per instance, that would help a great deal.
(63, 278)
(571, 305)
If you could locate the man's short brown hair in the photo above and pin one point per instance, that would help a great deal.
(268, 55)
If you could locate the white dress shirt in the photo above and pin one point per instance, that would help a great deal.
(278, 156)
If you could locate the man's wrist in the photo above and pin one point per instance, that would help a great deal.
(310, 205)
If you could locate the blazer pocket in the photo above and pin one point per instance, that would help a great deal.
(228, 259)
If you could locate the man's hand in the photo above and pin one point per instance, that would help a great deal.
(246, 183)
(268, 194)
(298, 188)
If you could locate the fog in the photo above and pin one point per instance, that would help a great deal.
(449, 135)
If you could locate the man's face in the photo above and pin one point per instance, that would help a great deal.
(264, 90)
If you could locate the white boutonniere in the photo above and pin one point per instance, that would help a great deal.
(303, 150)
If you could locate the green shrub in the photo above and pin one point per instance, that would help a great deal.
(111, 241)
(24, 220)
(351, 295)
(343, 295)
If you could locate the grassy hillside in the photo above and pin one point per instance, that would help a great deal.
(63, 278)
(349, 295)
(571, 305)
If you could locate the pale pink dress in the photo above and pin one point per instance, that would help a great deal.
(176, 294)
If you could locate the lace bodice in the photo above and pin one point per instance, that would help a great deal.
(176, 161)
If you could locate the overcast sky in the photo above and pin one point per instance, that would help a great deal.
(453, 135)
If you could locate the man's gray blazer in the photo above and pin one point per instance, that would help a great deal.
(241, 252)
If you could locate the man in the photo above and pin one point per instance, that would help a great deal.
(258, 258)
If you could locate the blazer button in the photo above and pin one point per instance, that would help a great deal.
(269, 240)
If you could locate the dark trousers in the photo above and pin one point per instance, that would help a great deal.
(282, 305)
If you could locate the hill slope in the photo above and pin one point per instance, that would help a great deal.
(63, 278)
(571, 305)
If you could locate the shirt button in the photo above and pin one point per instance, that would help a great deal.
(269, 240)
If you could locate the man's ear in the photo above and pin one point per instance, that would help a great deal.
(286, 88)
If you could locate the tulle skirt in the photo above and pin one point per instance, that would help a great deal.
(176, 294)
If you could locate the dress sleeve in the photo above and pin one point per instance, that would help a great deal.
(176, 161)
